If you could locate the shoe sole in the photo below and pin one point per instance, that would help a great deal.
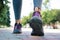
(17, 32)
(37, 34)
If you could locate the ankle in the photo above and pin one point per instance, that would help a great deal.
(17, 21)
(37, 9)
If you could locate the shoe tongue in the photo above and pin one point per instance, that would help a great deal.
(36, 13)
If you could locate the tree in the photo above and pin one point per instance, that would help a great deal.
(47, 16)
(58, 15)
(51, 16)
(4, 9)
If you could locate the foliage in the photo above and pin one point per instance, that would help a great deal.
(24, 20)
(4, 13)
(50, 16)
(58, 15)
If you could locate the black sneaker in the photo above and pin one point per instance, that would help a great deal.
(17, 28)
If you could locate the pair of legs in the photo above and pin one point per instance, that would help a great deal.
(17, 4)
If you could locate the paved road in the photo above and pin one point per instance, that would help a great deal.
(50, 34)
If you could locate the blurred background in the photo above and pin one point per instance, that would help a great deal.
(50, 13)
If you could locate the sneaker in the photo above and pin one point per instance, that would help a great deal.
(17, 28)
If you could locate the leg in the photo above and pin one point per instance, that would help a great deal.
(37, 3)
(17, 11)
